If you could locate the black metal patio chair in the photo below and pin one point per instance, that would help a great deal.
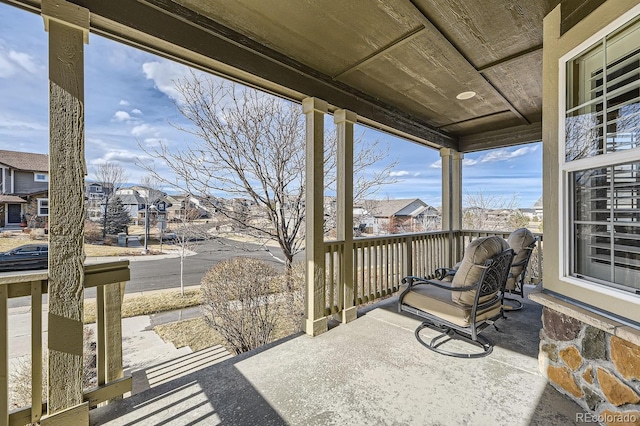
(463, 308)
(523, 244)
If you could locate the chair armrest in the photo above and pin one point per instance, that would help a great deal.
(413, 281)
(441, 273)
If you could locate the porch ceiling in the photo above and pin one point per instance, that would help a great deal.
(398, 64)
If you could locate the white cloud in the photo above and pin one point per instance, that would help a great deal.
(121, 156)
(505, 155)
(124, 103)
(12, 62)
(136, 111)
(465, 162)
(164, 75)
(153, 142)
(24, 60)
(121, 116)
(399, 173)
(7, 68)
(15, 123)
(142, 129)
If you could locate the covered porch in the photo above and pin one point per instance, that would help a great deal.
(453, 77)
(370, 371)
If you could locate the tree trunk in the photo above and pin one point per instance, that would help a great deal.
(182, 273)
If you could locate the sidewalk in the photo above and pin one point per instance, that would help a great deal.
(142, 347)
(141, 258)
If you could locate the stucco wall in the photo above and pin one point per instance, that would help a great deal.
(555, 47)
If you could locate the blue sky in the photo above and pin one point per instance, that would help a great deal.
(129, 101)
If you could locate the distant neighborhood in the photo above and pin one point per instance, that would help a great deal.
(24, 202)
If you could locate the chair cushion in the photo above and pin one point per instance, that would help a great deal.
(437, 302)
(519, 240)
(472, 266)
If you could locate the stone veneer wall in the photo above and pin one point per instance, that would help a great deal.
(31, 212)
(601, 372)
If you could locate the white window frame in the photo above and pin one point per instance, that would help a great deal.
(36, 174)
(40, 201)
(565, 168)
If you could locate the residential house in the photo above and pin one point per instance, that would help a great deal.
(537, 207)
(397, 216)
(95, 193)
(133, 202)
(24, 189)
(181, 207)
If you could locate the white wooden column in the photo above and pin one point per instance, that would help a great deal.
(344, 121)
(68, 27)
(456, 190)
(316, 322)
(451, 197)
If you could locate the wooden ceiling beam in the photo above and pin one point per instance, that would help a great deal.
(382, 51)
(509, 58)
(431, 26)
(517, 135)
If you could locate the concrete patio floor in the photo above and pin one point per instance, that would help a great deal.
(369, 372)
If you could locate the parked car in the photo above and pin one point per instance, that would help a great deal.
(29, 256)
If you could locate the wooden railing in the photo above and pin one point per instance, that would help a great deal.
(109, 280)
(534, 270)
(380, 263)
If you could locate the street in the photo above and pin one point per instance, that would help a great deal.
(149, 274)
(165, 273)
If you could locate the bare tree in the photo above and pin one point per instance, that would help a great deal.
(250, 145)
(188, 234)
(110, 176)
(492, 212)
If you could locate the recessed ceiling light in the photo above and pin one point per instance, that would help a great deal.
(465, 95)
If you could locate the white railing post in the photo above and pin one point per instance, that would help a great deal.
(4, 357)
(345, 121)
(36, 351)
(316, 321)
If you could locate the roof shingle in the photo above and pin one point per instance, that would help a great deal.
(25, 160)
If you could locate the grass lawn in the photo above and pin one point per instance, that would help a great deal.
(148, 304)
(194, 333)
(92, 250)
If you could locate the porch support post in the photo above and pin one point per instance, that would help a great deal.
(316, 321)
(68, 27)
(451, 199)
(344, 121)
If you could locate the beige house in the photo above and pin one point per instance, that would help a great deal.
(386, 217)
(454, 76)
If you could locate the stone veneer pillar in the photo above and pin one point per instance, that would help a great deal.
(592, 360)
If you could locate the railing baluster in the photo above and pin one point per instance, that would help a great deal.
(331, 281)
(4, 356)
(341, 278)
(36, 351)
(101, 349)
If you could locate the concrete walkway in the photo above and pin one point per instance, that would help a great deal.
(369, 372)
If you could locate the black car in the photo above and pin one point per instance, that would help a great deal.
(29, 256)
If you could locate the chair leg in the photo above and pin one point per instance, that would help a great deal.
(517, 305)
(451, 334)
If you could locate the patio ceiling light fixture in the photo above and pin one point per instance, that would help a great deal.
(465, 95)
